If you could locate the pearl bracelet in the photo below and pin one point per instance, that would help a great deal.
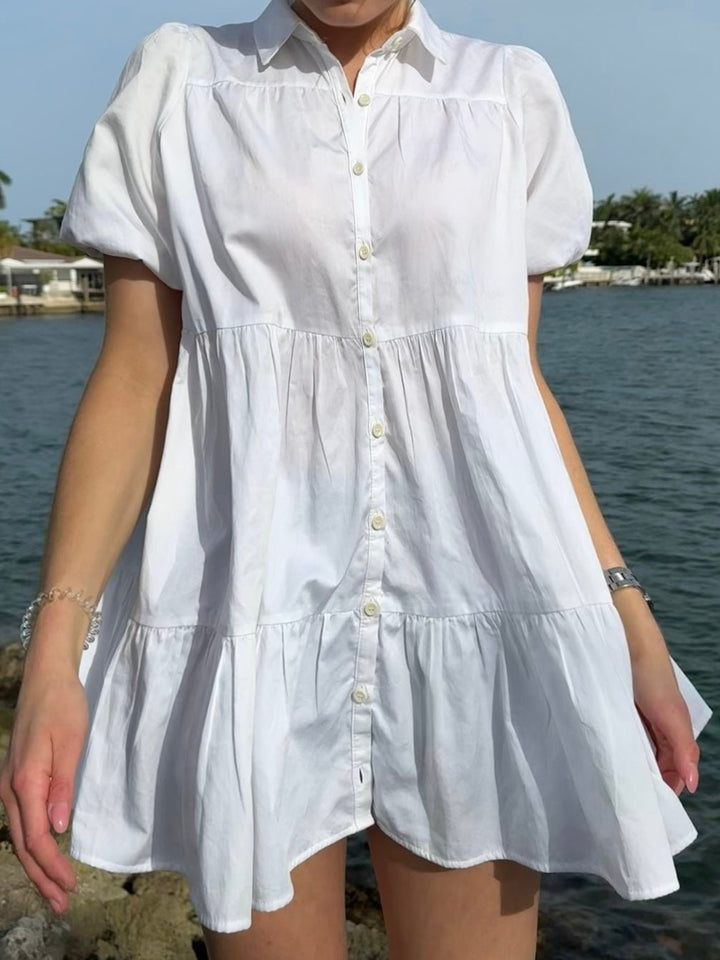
(56, 593)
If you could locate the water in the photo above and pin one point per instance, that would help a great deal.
(634, 370)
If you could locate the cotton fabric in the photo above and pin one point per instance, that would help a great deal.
(363, 589)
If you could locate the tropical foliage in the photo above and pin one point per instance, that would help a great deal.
(5, 181)
(9, 236)
(663, 228)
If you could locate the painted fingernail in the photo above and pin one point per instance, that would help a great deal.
(58, 813)
(692, 780)
(55, 905)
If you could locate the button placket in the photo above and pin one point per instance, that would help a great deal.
(358, 122)
(354, 113)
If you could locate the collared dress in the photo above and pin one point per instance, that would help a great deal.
(363, 589)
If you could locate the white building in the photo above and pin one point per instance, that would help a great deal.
(39, 273)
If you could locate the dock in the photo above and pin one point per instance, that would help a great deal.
(29, 306)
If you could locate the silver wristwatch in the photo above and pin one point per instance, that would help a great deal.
(617, 577)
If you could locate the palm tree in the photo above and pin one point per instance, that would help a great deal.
(674, 214)
(643, 208)
(9, 238)
(705, 223)
(606, 208)
(5, 181)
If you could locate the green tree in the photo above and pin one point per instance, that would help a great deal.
(704, 224)
(9, 238)
(655, 247)
(5, 181)
(663, 228)
(606, 209)
(43, 232)
(613, 247)
(673, 215)
(643, 208)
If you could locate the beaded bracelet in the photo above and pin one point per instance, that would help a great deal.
(55, 593)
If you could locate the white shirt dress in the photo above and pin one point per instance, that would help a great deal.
(363, 589)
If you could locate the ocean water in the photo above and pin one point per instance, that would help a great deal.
(635, 371)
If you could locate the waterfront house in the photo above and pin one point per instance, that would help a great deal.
(39, 273)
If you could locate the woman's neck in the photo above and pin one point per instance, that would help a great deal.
(353, 43)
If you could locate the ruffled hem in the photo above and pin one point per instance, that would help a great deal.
(493, 735)
(225, 924)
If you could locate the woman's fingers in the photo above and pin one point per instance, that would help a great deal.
(38, 774)
(664, 710)
(680, 753)
(45, 885)
(32, 798)
(677, 752)
(37, 778)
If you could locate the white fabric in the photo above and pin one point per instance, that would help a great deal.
(248, 707)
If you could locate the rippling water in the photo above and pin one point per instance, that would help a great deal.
(635, 371)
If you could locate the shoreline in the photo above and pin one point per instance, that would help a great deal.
(11, 307)
(48, 306)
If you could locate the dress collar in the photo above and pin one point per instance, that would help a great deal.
(278, 21)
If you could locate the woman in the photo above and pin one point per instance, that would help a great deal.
(353, 575)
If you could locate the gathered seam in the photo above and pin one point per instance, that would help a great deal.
(486, 331)
(355, 611)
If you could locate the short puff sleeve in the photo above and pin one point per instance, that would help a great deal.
(118, 203)
(559, 211)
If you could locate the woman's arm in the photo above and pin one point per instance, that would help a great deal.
(655, 689)
(108, 470)
(640, 625)
(110, 461)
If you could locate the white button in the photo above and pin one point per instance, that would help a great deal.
(358, 168)
(363, 251)
(368, 338)
(378, 521)
(397, 41)
(377, 429)
(364, 99)
(371, 608)
(360, 695)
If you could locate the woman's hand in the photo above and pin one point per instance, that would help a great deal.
(38, 771)
(666, 717)
(658, 700)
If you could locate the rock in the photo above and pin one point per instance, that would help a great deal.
(6, 723)
(86, 921)
(365, 925)
(106, 951)
(34, 938)
(155, 924)
(363, 906)
(19, 898)
(165, 883)
(365, 943)
(12, 659)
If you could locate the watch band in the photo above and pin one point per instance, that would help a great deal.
(618, 577)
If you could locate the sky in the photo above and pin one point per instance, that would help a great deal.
(641, 79)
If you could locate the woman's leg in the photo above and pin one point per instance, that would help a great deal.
(310, 927)
(484, 912)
